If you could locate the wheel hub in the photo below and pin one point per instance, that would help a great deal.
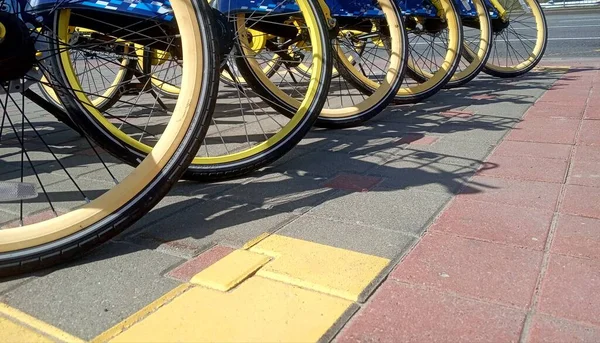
(225, 33)
(498, 25)
(17, 49)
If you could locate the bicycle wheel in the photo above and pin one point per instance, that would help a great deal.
(370, 53)
(520, 37)
(61, 195)
(435, 41)
(371, 59)
(477, 41)
(258, 41)
(245, 131)
(104, 80)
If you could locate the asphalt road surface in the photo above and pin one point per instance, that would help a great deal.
(573, 34)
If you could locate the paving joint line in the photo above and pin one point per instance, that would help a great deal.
(476, 239)
(341, 221)
(535, 299)
(459, 295)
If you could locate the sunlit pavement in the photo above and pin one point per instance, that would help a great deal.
(472, 217)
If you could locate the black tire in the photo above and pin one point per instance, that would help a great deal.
(365, 88)
(220, 171)
(435, 86)
(491, 69)
(473, 63)
(87, 238)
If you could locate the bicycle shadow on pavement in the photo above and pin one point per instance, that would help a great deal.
(387, 150)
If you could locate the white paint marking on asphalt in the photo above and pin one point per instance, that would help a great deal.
(529, 40)
(533, 40)
(575, 38)
(559, 27)
(576, 20)
(572, 26)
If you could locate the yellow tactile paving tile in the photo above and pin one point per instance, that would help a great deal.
(323, 268)
(17, 326)
(13, 332)
(230, 270)
(258, 310)
(141, 314)
(280, 289)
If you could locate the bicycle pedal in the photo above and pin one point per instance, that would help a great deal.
(15, 191)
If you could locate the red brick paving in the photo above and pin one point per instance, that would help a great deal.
(531, 168)
(585, 173)
(401, 313)
(592, 112)
(537, 150)
(555, 110)
(525, 227)
(577, 236)
(582, 201)
(353, 182)
(478, 266)
(593, 109)
(545, 130)
(192, 267)
(493, 272)
(587, 153)
(541, 195)
(548, 329)
(570, 289)
(561, 97)
(590, 133)
(572, 86)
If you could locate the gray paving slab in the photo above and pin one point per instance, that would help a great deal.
(417, 114)
(401, 210)
(295, 191)
(316, 139)
(507, 109)
(531, 87)
(193, 229)
(168, 206)
(364, 147)
(7, 285)
(452, 152)
(472, 133)
(98, 291)
(423, 175)
(383, 129)
(486, 120)
(364, 239)
(327, 163)
(451, 99)
(297, 152)
(183, 195)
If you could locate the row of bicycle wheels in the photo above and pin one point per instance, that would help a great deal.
(106, 104)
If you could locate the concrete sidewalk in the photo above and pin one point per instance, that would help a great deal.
(335, 241)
